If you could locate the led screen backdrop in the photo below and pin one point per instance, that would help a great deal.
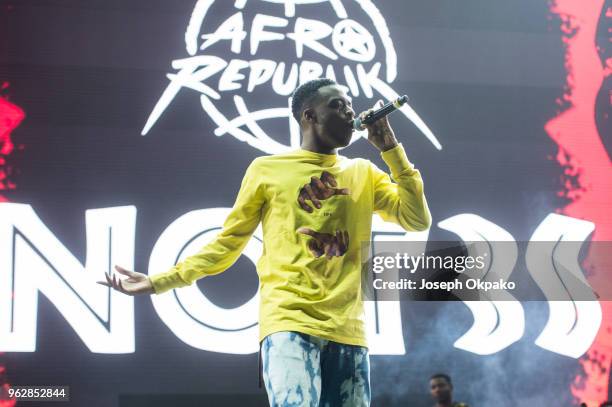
(126, 127)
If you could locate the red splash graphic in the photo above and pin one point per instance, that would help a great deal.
(587, 170)
(10, 117)
(4, 387)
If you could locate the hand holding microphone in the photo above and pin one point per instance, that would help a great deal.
(383, 110)
(376, 122)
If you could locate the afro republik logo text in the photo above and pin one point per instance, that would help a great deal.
(255, 53)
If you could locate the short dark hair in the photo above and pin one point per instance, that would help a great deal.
(442, 376)
(303, 93)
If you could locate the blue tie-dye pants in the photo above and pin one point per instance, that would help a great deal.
(305, 370)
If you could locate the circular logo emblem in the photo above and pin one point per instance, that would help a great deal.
(245, 59)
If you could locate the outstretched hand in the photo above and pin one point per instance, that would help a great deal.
(136, 283)
(319, 189)
(327, 243)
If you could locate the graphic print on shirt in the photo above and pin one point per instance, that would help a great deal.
(321, 188)
(328, 244)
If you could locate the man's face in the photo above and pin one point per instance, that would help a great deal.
(334, 115)
(440, 389)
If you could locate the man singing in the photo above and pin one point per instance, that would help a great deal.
(316, 208)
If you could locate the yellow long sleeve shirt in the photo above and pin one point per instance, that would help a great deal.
(299, 292)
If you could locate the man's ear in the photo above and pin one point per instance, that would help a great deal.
(309, 115)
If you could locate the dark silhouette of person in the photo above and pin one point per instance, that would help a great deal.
(441, 390)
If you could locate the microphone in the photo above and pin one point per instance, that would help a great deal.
(378, 114)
